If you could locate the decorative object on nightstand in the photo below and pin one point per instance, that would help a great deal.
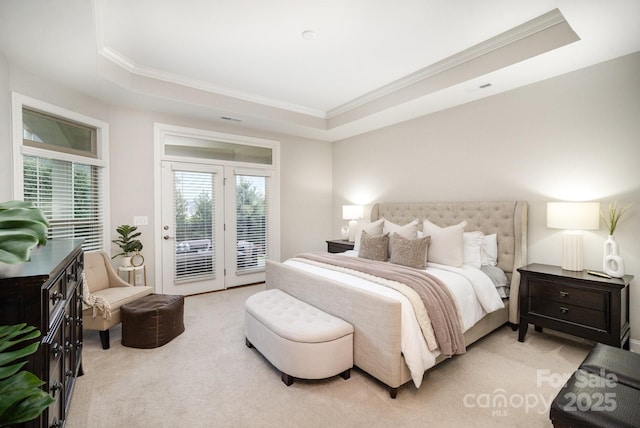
(344, 232)
(578, 303)
(612, 263)
(573, 217)
(339, 245)
(352, 213)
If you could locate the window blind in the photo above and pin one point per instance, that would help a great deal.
(251, 223)
(195, 202)
(70, 195)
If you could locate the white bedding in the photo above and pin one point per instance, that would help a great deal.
(472, 289)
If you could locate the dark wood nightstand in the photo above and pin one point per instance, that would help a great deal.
(339, 245)
(576, 303)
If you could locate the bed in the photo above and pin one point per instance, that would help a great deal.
(377, 318)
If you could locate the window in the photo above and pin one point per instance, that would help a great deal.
(62, 171)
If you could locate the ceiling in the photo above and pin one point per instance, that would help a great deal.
(371, 63)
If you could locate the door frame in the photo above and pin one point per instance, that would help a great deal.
(159, 155)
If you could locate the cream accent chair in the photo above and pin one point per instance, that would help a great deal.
(103, 281)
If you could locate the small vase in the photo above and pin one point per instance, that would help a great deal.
(612, 264)
(126, 261)
(344, 232)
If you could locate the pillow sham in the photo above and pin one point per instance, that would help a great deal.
(408, 231)
(410, 252)
(446, 244)
(374, 247)
(490, 250)
(472, 250)
(373, 229)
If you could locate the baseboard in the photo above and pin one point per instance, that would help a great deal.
(634, 345)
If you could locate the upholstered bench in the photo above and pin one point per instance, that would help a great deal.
(298, 339)
(603, 392)
(152, 321)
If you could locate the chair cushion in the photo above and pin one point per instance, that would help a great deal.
(95, 272)
(605, 359)
(118, 296)
(588, 400)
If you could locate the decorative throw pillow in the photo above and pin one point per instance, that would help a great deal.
(410, 252)
(472, 251)
(408, 231)
(490, 250)
(374, 247)
(373, 229)
(447, 244)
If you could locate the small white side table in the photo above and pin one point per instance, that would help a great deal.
(134, 270)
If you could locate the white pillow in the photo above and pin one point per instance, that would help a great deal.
(373, 229)
(490, 250)
(408, 231)
(447, 243)
(472, 251)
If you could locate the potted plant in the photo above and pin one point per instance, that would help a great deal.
(127, 243)
(21, 398)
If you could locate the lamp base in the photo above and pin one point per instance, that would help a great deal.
(352, 230)
(572, 251)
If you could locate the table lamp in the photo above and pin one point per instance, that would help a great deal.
(573, 217)
(352, 213)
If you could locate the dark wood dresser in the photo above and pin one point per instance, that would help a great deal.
(46, 292)
(576, 303)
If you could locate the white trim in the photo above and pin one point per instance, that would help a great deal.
(507, 38)
(18, 102)
(272, 171)
(634, 345)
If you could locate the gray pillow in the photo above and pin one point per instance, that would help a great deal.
(373, 247)
(410, 252)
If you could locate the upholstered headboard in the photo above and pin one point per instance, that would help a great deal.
(507, 219)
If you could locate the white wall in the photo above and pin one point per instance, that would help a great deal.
(6, 151)
(574, 137)
(305, 180)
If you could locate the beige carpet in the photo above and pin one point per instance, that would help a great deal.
(207, 377)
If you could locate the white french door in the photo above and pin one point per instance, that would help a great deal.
(248, 216)
(192, 228)
(216, 226)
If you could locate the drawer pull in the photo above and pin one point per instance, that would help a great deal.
(55, 350)
(564, 310)
(564, 294)
(57, 386)
(55, 296)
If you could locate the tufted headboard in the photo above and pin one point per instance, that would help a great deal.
(507, 219)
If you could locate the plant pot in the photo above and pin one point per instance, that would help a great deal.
(126, 261)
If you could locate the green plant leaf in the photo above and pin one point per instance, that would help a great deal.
(21, 398)
(27, 409)
(5, 372)
(16, 245)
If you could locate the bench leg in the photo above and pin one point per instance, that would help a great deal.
(393, 392)
(288, 380)
(104, 338)
(346, 374)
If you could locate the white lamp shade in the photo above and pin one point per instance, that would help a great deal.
(573, 215)
(352, 212)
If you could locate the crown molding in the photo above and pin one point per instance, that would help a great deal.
(536, 25)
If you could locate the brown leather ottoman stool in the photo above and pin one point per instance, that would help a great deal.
(152, 321)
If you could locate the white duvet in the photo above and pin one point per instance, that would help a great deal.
(471, 288)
